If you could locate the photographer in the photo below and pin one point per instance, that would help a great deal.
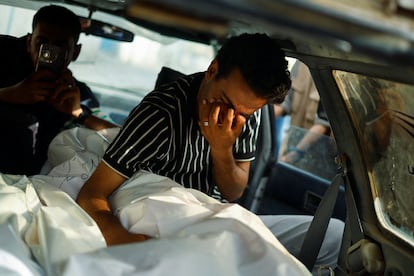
(37, 102)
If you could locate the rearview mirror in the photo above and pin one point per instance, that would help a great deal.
(102, 29)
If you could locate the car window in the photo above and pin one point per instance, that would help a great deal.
(120, 73)
(318, 159)
(383, 112)
(303, 137)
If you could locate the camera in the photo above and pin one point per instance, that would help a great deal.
(51, 57)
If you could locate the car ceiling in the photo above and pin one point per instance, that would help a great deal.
(376, 30)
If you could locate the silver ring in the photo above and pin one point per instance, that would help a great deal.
(70, 86)
(205, 124)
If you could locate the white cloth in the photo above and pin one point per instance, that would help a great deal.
(73, 155)
(195, 234)
(45, 220)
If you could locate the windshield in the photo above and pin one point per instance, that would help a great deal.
(120, 73)
(383, 112)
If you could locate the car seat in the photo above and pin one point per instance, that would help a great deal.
(261, 166)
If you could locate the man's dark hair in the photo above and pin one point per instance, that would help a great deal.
(261, 62)
(60, 16)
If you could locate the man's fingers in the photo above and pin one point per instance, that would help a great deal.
(40, 90)
(44, 74)
(214, 114)
(238, 124)
(229, 118)
(204, 113)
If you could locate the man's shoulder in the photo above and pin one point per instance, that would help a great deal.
(184, 85)
(12, 47)
(8, 38)
(15, 62)
(11, 43)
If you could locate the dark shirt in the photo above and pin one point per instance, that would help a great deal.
(27, 130)
(161, 135)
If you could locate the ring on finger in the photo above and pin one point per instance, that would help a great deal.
(205, 124)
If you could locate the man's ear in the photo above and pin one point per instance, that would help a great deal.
(212, 69)
(28, 42)
(76, 52)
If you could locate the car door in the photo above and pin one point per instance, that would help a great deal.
(376, 136)
(370, 109)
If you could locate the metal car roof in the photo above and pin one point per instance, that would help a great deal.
(374, 31)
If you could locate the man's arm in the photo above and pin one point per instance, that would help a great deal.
(310, 138)
(31, 90)
(278, 110)
(93, 198)
(230, 176)
(93, 122)
(66, 98)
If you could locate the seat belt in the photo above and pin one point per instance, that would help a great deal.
(317, 229)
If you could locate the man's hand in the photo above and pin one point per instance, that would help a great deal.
(66, 95)
(220, 125)
(37, 87)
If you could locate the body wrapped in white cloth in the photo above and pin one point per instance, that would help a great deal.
(193, 233)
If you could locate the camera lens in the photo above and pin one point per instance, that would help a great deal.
(46, 54)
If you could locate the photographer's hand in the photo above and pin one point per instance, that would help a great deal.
(66, 99)
(66, 95)
(35, 88)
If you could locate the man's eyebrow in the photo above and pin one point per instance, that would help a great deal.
(41, 37)
(231, 105)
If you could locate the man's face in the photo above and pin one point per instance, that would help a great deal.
(56, 35)
(232, 92)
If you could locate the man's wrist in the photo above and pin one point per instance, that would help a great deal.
(300, 153)
(86, 112)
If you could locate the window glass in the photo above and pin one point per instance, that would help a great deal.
(121, 73)
(303, 137)
(319, 156)
(383, 113)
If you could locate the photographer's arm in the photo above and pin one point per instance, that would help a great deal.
(66, 98)
(31, 90)
(91, 121)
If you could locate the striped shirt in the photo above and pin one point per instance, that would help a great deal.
(161, 135)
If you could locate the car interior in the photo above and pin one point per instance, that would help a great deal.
(360, 55)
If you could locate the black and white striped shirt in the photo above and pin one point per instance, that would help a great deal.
(161, 135)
